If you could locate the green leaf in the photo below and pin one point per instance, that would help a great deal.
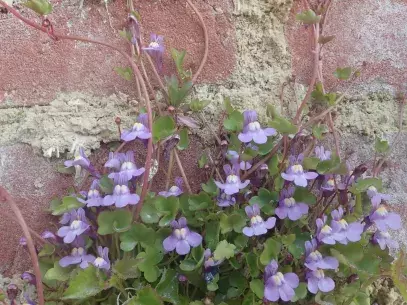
(106, 184)
(381, 145)
(210, 187)
(265, 197)
(271, 250)
(68, 203)
(302, 194)
(264, 149)
(176, 93)
(224, 250)
(297, 248)
(62, 169)
(343, 73)
(203, 160)
(166, 207)
(126, 268)
(300, 292)
(58, 273)
(349, 254)
(283, 126)
(234, 222)
(168, 286)
(319, 130)
(197, 105)
(398, 274)
(212, 234)
(148, 213)
(252, 263)
(362, 185)
(146, 296)
(288, 239)
(241, 241)
(188, 265)
(234, 122)
(86, 283)
(228, 105)
(310, 163)
(184, 140)
(110, 222)
(361, 299)
(125, 34)
(273, 165)
(138, 233)
(41, 7)
(179, 57)
(163, 127)
(257, 286)
(199, 202)
(56, 202)
(308, 17)
(47, 250)
(332, 166)
(126, 73)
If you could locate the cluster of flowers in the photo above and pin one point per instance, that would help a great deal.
(182, 239)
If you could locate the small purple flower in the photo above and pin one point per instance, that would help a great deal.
(383, 239)
(29, 278)
(233, 184)
(93, 197)
(289, 207)
(322, 154)
(345, 232)
(318, 281)
(77, 226)
(182, 278)
(257, 225)
(181, 239)
(329, 183)
(296, 172)
(78, 256)
(245, 165)
(174, 190)
(139, 130)
(156, 50)
(325, 233)
(125, 165)
(79, 160)
(277, 285)
(384, 219)
(49, 236)
(376, 197)
(121, 196)
(252, 130)
(209, 260)
(23, 241)
(232, 156)
(102, 261)
(225, 200)
(67, 217)
(314, 259)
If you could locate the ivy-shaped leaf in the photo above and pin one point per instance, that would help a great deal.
(271, 250)
(58, 273)
(126, 73)
(308, 17)
(69, 203)
(168, 287)
(126, 268)
(86, 283)
(41, 7)
(163, 127)
(110, 222)
(234, 122)
(224, 250)
(343, 73)
(183, 139)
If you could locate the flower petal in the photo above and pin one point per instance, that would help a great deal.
(286, 292)
(194, 239)
(313, 285)
(183, 247)
(248, 231)
(259, 137)
(271, 293)
(270, 223)
(326, 284)
(393, 221)
(69, 260)
(170, 243)
(292, 279)
(245, 137)
(300, 180)
(281, 212)
(288, 177)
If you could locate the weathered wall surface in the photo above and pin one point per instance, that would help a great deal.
(71, 94)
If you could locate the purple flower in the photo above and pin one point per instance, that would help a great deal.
(296, 172)
(233, 184)
(384, 219)
(156, 50)
(314, 259)
(121, 196)
(252, 129)
(376, 197)
(182, 278)
(102, 261)
(257, 225)
(174, 190)
(225, 200)
(77, 226)
(245, 165)
(322, 154)
(277, 285)
(318, 281)
(232, 156)
(181, 239)
(329, 183)
(209, 260)
(289, 207)
(383, 239)
(79, 160)
(345, 232)
(49, 236)
(78, 256)
(23, 241)
(29, 278)
(125, 166)
(325, 233)
(139, 130)
(93, 197)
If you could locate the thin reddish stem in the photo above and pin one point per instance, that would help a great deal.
(206, 40)
(5, 197)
